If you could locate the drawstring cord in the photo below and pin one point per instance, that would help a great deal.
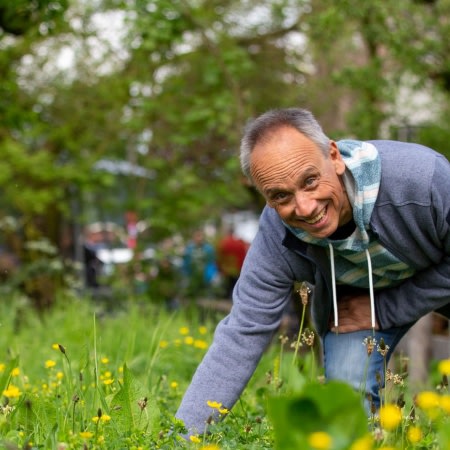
(372, 299)
(333, 283)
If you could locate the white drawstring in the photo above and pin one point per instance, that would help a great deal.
(372, 299)
(333, 284)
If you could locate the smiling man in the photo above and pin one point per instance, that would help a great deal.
(365, 224)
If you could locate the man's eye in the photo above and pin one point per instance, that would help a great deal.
(311, 181)
(280, 197)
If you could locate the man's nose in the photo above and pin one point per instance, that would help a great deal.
(305, 205)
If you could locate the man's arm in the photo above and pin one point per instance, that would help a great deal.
(259, 299)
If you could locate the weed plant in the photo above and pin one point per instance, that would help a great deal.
(84, 377)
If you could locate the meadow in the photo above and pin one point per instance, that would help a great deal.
(90, 376)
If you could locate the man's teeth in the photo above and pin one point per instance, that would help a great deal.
(316, 218)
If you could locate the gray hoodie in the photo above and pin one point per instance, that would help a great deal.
(411, 219)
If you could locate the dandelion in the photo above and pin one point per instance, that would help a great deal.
(163, 344)
(427, 400)
(363, 443)
(2, 367)
(444, 367)
(210, 447)
(55, 346)
(174, 385)
(86, 434)
(184, 331)
(414, 434)
(444, 402)
(194, 439)
(15, 372)
(390, 416)
(12, 392)
(188, 340)
(104, 360)
(223, 411)
(320, 440)
(59, 375)
(214, 405)
(202, 330)
(108, 381)
(49, 364)
(202, 345)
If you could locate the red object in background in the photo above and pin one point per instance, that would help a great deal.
(131, 226)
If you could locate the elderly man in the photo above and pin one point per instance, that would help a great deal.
(366, 223)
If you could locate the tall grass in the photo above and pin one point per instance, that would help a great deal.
(111, 376)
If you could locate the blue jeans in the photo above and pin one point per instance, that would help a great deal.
(346, 359)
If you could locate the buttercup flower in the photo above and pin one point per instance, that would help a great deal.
(189, 340)
(15, 372)
(163, 344)
(390, 416)
(2, 367)
(202, 330)
(195, 439)
(49, 364)
(444, 402)
(184, 331)
(320, 440)
(174, 385)
(104, 360)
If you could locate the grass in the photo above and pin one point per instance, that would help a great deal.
(77, 377)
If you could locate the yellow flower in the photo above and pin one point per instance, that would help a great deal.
(163, 344)
(104, 360)
(363, 443)
(202, 330)
(427, 400)
(414, 434)
(198, 343)
(444, 367)
(215, 405)
(184, 331)
(390, 416)
(12, 391)
(210, 447)
(15, 372)
(189, 340)
(55, 346)
(195, 439)
(108, 381)
(105, 418)
(444, 402)
(2, 367)
(320, 440)
(174, 385)
(223, 411)
(86, 434)
(59, 375)
(49, 364)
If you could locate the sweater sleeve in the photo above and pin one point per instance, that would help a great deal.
(259, 299)
(429, 289)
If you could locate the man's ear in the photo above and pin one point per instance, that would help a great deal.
(336, 158)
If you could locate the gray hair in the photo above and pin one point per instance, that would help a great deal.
(258, 129)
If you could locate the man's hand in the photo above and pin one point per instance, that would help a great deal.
(353, 314)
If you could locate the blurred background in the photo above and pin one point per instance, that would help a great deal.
(120, 120)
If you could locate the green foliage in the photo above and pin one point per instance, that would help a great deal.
(334, 408)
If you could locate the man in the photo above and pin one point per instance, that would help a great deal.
(366, 223)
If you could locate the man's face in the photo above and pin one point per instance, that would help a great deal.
(303, 185)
